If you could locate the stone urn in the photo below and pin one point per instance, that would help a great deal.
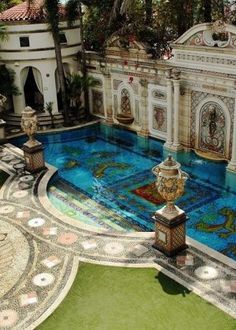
(29, 123)
(170, 232)
(33, 149)
(170, 182)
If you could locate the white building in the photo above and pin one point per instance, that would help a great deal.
(29, 52)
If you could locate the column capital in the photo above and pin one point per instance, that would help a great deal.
(176, 74)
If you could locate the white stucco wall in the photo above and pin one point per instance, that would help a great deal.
(40, 54)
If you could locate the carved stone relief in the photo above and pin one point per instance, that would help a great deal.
(98, 83)
(215, 36)
(157, 94)
(212, 129)
(197, 98)
(97, 99)
(159, 118)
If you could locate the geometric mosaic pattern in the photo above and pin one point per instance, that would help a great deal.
(54, 244)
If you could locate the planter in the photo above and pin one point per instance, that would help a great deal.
(124, 119)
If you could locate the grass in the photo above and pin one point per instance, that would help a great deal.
(112, 298)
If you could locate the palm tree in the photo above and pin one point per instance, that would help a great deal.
(123, 7)
(53, 8)
(76, 84)
(74, 10)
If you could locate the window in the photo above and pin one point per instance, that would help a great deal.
(63, 39)
(24, 41)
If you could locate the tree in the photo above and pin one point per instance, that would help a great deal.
(76, 84)
(53, 13)
(3, 32)
(74, 10)
(5, 4)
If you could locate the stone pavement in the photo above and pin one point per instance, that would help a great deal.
(39, 256)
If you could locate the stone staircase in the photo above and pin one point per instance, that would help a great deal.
(44, 121)
(78, 205)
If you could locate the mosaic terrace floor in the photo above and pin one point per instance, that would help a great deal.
(38, 275)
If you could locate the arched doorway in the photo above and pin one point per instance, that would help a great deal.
(33, 88)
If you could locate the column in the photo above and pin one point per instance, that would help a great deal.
(169, 138)
(107, 90)
(232, 164)
(50, 91)
(176, 144)
(144, 108)
(18, 100)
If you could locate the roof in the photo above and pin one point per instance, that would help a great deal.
(23, 12)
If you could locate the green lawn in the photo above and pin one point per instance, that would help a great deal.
(112, 298)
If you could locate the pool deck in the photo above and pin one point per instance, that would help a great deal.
(39, 257)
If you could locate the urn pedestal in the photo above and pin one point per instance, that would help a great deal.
(33, 155)
(170, 232)
(170, 220)
(33, 149)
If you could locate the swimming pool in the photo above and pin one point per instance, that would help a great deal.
(104, 179)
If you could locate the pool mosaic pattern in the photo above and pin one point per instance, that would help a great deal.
(105, 180)
(51, 248)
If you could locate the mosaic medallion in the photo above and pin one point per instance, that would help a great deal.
(8, 318)
(20, 194)
(36, 222)
(206, 273)
(67, 238)
(6, 209)
(13, 260)
(43, 279)
(26, 178)
(113, 248)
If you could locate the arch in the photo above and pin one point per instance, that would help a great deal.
(212, 126)
(32, 84)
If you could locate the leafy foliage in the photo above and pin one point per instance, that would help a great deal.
(155, 22)
(7, 86)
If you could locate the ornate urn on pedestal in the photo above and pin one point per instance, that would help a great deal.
(170, 220)
(33, 149)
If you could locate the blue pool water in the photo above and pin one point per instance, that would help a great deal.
(104, 179)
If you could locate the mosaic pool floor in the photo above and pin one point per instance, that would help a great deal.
(104, 180)
(37, 276)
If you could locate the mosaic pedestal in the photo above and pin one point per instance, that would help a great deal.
(170, 232)
(33, 155)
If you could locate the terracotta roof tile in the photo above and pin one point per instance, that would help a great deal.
(24, 12)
